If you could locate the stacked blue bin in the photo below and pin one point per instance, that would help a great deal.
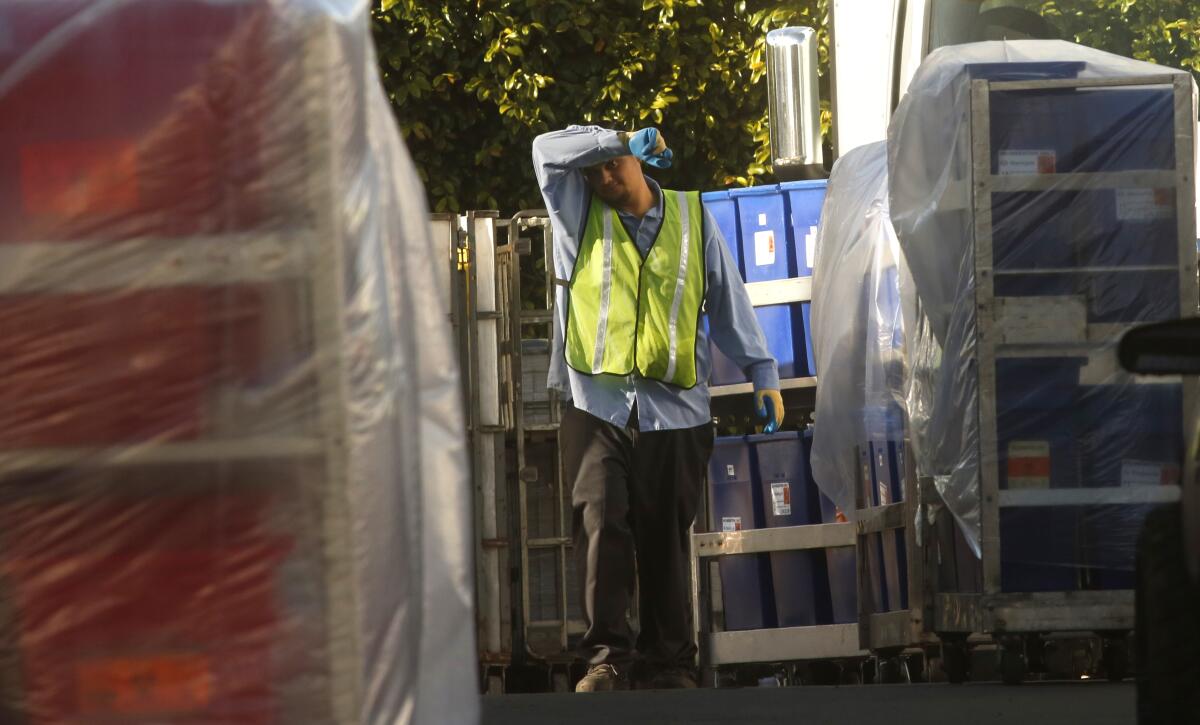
(1115, 248)
(765, 481)
(840, 562)
(736, 505)
(884, 464)
(790, 498)
(770, 232)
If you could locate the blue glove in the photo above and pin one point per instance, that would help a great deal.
(770, 405)
(649, 146)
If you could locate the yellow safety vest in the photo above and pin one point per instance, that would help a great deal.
(626, 314)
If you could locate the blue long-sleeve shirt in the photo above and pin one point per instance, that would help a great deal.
(559, 158)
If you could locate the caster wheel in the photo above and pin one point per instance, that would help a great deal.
(1115, 659)
(1012, 665)
(892, 671)
(955, 659)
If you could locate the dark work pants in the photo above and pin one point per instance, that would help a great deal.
(634, 492)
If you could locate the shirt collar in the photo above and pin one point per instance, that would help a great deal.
(655, 212)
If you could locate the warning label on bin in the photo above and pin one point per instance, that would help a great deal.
(1139, 205)
(730, 471)
(1148, 473)
(764, 248)
(1029, 464)
(781, 498)
(1028, 161)
(731, 523)
(176, 683)
(810, 248)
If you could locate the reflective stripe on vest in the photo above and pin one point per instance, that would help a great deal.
(625, 314)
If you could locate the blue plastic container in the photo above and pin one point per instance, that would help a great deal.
(1110, 535)
(736, 504)
(1133, 296)
(1037, 423)
(804, 202)
(1131, 434)
(1034, 230)
(783, 327)
(1122, 227)
(1039, 549)
(840, 562)
(763, 223)
(1128, 129)
(723, 207)
(801, 582)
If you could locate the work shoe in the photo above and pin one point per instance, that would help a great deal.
(671, 678)
(603, 678)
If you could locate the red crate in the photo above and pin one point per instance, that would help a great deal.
(144, 121)
(144, 610)
(104, 369)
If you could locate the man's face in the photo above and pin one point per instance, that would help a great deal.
(616, 180)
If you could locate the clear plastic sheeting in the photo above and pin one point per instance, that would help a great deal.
(858, 329)
(232, 478)
(1042, 196)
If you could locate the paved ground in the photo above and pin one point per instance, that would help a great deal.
(1094, 703)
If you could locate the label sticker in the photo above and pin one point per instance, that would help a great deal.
(762, 220)
(731, 471)
(731, 523)
(1145, 204)
(1148, 473)
(179, 684)
(1023, 161)
(781, 498)
(1029, 464)
(810, 248)
(764, 248)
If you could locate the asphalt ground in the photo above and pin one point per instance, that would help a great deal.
(1093, 703)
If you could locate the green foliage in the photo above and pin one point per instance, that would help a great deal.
(1166, 32)
(474, 81)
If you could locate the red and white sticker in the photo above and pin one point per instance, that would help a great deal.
(731, 523)
(1145, 204)
(764, 248)
(1149, 473)
(1029, 464)
(781, 498)
(1028, 161)
(179, 684)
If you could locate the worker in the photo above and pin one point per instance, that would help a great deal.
(636, 267)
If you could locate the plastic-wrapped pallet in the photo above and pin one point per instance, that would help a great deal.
(232, 482)
(1042, 214)
(861, 403)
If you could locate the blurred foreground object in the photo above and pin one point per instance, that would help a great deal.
(224, 377)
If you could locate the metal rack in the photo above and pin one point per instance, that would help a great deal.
(720, 649)
(1001, 333)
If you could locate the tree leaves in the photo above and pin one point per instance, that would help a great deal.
(474, 81)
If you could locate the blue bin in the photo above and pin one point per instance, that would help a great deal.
(736, 504)
(1036, 422)
(840, 562)
(1123, 227)
(884, 427)
(723, 207)
(1131, 434)
(1034, 230)
(804, 202)
(1039, 549)
(801, 581)
(1110, 535)
(1132, 296)
(784, 328)
(1128, 129)
(763, 222)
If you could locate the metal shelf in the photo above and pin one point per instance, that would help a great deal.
(1018, 498)
(787, 644)
(1046, 612)
(743, 388)
(1077, 181)
(70, 267)
(780, 291)
(784, 538)
(156, 453)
